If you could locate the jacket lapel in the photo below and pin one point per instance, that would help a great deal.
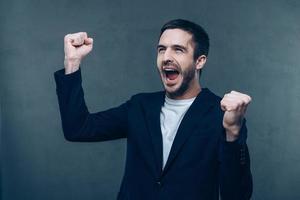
(190, 122)
(152, 108)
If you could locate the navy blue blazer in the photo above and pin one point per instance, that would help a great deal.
(201, 164)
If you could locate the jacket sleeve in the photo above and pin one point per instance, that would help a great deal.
(235, 174)
(80, 125)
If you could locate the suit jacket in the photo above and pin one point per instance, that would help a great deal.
(201, 164)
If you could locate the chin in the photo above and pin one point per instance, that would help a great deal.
(173, 92)
(171, 89)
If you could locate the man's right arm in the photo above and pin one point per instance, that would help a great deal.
(78, 124)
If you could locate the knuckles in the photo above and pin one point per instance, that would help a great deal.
(235, 101)
(75, 36)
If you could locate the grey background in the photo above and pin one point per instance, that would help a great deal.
(255, 48)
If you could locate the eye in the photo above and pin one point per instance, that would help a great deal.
(178, 50)
(161, 50)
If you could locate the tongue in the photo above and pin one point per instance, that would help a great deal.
(172, 76)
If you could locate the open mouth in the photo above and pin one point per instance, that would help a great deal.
(171, 74)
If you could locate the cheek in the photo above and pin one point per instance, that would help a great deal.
(158, 61)
(185, 64)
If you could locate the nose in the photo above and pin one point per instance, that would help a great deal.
(168, 57)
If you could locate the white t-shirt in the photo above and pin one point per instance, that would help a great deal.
(171, 115)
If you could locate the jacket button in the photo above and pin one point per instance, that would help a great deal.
(159, 184)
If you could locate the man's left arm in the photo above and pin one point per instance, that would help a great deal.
(235, 174)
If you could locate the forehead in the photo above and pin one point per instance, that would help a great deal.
(176, 37)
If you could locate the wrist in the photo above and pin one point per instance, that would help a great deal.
(231, 138)
(71, 65)
(232, 133)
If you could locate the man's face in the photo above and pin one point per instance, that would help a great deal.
(175, 61)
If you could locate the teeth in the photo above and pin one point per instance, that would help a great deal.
(170, 70)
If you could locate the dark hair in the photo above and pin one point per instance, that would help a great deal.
(199, 35)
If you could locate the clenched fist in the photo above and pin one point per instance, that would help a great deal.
(235, 105)
(77, 46)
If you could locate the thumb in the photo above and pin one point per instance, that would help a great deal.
(88, 41)
(85, 49)
(223, 108)
(223, 105)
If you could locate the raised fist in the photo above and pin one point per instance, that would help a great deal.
(235, 105)
(77, 46)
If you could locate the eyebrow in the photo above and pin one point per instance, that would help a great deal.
(160, 46)
(179, 46)
(173, 46)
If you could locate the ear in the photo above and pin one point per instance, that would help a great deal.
(200, 62)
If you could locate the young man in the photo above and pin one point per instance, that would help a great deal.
(183, 142)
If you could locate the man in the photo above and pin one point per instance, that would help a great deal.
(183, 142)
